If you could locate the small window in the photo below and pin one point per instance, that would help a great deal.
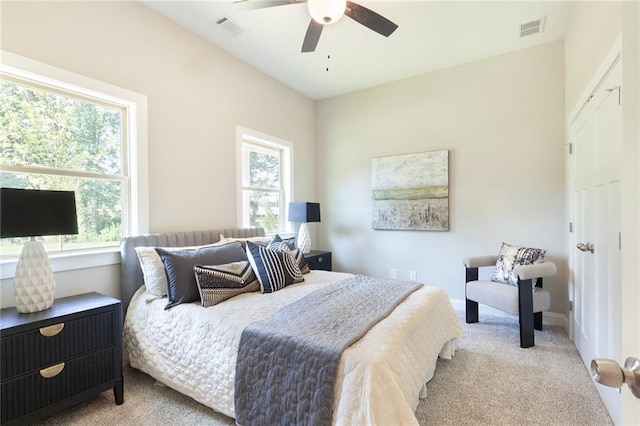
(58, 136)
(265, 166)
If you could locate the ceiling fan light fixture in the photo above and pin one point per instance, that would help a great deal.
(326, 11)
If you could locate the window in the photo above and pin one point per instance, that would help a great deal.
(265, 181)
(56, 134)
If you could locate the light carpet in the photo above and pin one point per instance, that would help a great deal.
(490, 381)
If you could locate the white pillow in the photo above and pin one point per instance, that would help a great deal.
(225, 240)
(155, 277)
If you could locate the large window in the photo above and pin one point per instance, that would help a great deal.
(265, 164)
(59, 136)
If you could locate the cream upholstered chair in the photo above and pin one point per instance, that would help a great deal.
(518, 300)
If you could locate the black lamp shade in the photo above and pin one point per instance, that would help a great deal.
(31, 213)
(304, 212)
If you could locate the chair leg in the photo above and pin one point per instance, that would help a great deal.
(525, 308)
(471, 311)
(471, 274)
(526, 333)
(537, 321)
(537, 317)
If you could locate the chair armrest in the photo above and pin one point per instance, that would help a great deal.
(480, 261)
(540, 270)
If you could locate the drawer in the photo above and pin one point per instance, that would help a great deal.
(320, 262)
(29, 393)
(29, 351)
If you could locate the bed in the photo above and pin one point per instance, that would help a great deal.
(193, 349)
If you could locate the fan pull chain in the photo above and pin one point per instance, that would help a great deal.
(329, 43)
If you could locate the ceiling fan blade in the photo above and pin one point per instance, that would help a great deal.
(312, 36)
(262, 4)
(370, 19)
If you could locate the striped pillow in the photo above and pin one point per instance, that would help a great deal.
(275, 268)
(291, 242)
(300, 260)
(279, 244)
(218, 283)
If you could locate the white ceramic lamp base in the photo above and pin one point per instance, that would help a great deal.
(33, 285)
(304, 240)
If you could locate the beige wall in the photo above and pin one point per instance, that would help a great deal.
(197, 94)
(502, 120)
(593, 29)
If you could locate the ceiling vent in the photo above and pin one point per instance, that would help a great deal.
(230, 26)
(532, 27)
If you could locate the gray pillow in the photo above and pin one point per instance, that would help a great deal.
(181, 279)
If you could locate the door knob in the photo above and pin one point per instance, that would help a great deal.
(585, 247)
(607, 372)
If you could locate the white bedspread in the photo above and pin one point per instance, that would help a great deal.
(193, 349)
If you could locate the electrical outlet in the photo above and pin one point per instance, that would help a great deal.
(393, 273)
(413, 275)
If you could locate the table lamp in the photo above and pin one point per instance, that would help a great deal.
(32, 213)
(304, 213)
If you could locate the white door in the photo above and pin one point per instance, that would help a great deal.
(594, 251)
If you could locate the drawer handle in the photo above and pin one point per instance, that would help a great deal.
(52, 371)
(52, 330)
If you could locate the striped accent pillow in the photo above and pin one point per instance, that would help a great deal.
(291, 242)
(300, 260)
(218, 283)
(275, 267)
(279, 244)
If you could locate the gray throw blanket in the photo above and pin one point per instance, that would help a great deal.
(287, 363)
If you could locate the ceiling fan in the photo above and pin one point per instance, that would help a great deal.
(324, 12)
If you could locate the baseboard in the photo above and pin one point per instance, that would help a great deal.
(548, 318)
(554, 318)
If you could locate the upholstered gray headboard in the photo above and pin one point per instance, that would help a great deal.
(130, 267)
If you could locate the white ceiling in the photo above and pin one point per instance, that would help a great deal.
(431, 35)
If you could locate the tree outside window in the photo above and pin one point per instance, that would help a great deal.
(57, 140)
(263, 186)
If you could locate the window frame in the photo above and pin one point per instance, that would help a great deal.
(134, 154)
(245, 136)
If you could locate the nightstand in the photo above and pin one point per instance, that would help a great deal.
(318, 259)
(59, 357)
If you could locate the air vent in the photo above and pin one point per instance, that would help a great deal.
(230, 26)
(532, 27)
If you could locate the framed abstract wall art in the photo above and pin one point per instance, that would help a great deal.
(411, 192)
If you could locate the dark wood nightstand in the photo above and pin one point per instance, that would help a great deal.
(318, 259)
(59, 357)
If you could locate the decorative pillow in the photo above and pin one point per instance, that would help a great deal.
(182, 286)
(511, 257)
(300, 260)
(243, 241)
(290, 243)
(218, 283)
(274, 268)
(155, 277)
